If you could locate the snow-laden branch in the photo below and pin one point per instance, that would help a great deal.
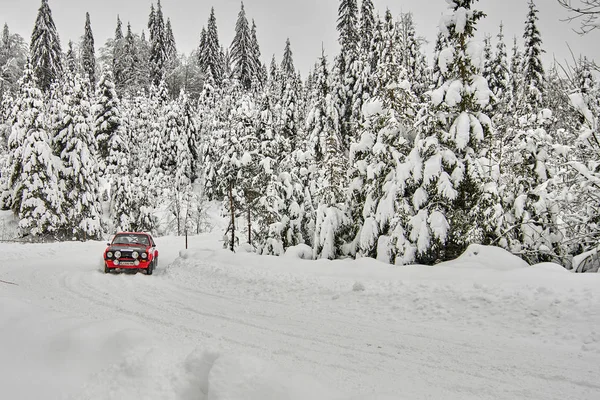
(584, 11)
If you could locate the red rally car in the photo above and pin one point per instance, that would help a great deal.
(131, 251)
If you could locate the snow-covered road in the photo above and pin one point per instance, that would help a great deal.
(213, 325)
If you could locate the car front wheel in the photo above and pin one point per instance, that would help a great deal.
(106, 269)
(150, 268)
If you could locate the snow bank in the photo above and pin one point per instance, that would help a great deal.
(490, 257)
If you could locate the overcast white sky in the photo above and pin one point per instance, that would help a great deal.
(306, 22)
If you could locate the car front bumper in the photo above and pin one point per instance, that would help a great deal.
(127, 264)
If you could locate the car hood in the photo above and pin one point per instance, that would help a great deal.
(120, 247)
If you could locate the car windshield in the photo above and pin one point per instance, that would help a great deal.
(131, 239)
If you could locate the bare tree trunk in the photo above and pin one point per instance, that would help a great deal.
(231, 208)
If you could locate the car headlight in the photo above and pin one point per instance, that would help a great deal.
(144, 255)
(117, 254)
(109, 254)
(135, 254)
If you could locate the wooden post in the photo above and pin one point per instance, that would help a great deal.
(231, 208)
(249, 227)
(186, 240)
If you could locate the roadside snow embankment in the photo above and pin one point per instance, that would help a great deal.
(486, 283)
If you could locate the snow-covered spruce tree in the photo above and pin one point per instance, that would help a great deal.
(182, 136)
(499, 84)
(331, 222)
(378, 160)
(583, 213)
(189, 141)
(532, 68)
(45, 50)
(243, 53)
(289, 99)
(530, 223)
(452, 195)
(498, 79)
(260, 75)
(108, 125)
(486, 72)
(515, 95)
(88, 53)
(210, 52)
(344, 76)
(159, 150)
(117, 53)
(78, 177)
(129, 81)
(27, 115)
(170, 45)
(332, 225)
(270, 148)
(215, 108)
(411, 57)
(13, 56)
(158, 44)
(437, 78)
(367, 25)
(236, 169)
(388, 66)
(123, 206)
(71, 60)
(40, 209)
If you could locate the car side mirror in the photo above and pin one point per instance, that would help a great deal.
(108, 244)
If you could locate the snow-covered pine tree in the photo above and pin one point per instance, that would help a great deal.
(437, 78)
(26, 115)
(410, 55)
(379, 191)
(202, 50)
(287, 115)
(235, 165)
(13, 56)
(367, 25)
(268, 207)
(532, 67)
(211, 53)
(582, 211)
(242, 52)
(40, 210)
(170, 45)
(108, 128)
(128, 82)
(88, 53)
(388, 66)
(118, 29)
(191, 140)
(499, 77)
(78, 177)
(486, 72)
(45, 50)
(71, 59)
(499, 84)
(452, 194)
(158, 44)
(345, 76)
(331, 222)
(260, 72)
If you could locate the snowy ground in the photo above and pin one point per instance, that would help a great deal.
(211, 325)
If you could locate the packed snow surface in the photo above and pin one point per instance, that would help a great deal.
(212, 325)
